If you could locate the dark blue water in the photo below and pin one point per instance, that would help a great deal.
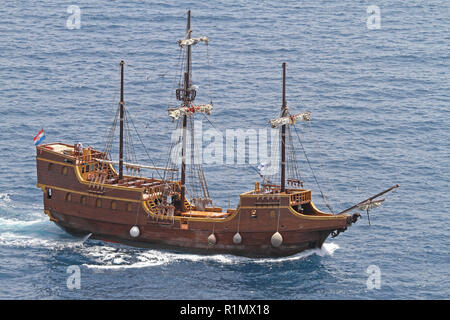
(380, 115)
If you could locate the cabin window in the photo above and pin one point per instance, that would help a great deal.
(98, 203)
(253, 214)
(64, 171)
(68, 196)
(113, 205)
(87, 168)
(82, 169)
(83, 200)
(49, 193)
(92, 167)
(129, 207)
(50, 167)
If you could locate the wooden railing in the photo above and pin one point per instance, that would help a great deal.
(88, 155)
(300, 197)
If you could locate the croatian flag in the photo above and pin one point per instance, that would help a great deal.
(39, 137)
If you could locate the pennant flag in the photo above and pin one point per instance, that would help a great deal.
(39, 137)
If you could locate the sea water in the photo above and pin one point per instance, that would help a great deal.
(374, 74)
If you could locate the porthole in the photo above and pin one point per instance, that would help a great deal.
(83, 200)
(50, 167)
(113, 205)
(68, 196)
(129, 207)
(64, 171)
(98, 203)
(49, 193)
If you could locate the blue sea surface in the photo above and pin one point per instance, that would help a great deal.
(380, 115)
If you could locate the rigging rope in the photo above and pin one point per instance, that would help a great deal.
(171, 147)
(196, 162)
(145, 149)
(209, 79)
(320, 162)
(315, 178)
(110, 138)
(293, 169)
(235, 150)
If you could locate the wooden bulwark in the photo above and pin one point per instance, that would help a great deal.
(300, 197)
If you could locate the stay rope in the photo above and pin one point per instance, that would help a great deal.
(145, 149)
(312, 171)
(317, 145)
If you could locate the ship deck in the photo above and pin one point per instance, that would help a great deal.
(99, 173)
(90, 163)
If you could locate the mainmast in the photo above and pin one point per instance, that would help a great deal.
(121, 103)
(283, 134)
(186, 104)
(186, 94)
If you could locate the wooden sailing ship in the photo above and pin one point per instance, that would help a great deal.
(85, 194)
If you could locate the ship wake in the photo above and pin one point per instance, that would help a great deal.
(118, 258)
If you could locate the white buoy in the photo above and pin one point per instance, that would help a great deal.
(276, 239)
(134, 232)
(212, 239)
(237, 239)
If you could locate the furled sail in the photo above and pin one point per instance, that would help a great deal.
(370, 205)
(192, 41)
(175, 113)
(290, 119)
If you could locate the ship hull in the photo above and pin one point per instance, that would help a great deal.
(256, 244)
(109, 212)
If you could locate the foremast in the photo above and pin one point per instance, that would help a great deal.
(283, 121)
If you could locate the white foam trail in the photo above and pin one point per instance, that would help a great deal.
(9, 239)
(114, 259)
(5, 200)
(17, 211)
(107, 258)
(327, 249)
(18, 223)
(122, 263)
